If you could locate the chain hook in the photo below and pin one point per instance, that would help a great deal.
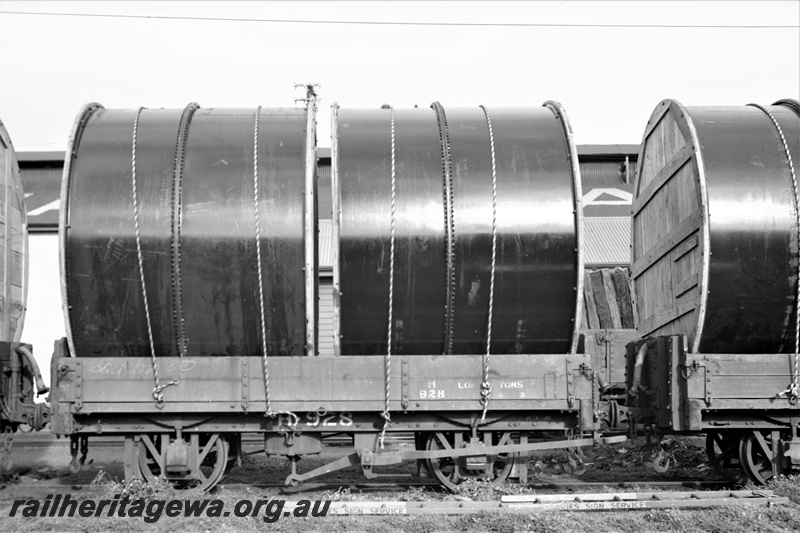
(158, 394)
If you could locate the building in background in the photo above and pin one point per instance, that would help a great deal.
(607, 174)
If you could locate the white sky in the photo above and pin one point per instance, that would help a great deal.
(609, 79)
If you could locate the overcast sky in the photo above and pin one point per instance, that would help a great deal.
(609, 78)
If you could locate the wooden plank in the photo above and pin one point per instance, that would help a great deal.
(585, 315)
(622, 496)
(591, 308)
(567, 502)
(748, 386)
(684, 286)
(664, 175)
(634, 300)
(685, 247)
(666, 316)
(601, 300)
(611, 297)
(747, 364)
(682, 119)
(655, 119)
(624, 300)
(679, 233)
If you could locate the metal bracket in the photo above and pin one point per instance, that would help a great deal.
(404, 382)
(245, 385)
(688, 371)
(63, 370)
(78, 386)
(570, 385)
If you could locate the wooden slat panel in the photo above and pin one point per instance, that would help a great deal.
(665, 245)
(320, 380)
(660, 145)
(747, 386)
(685, 247)
(684, 286)
(669, 314)
(747, 364)
(655, 120)
(681, 120)
(664, 175)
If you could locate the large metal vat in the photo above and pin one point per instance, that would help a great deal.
(456, 184)
(13, 244)
(715, 230)
(192, 225)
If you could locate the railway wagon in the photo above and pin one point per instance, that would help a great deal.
(189, 276)
(20, 379)
(716, 235)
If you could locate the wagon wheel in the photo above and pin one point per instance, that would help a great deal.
(450, 471)
(722, 448)
(206, 461)
(758, 452)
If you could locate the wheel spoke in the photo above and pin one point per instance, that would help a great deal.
(755, 453)
(440, 438)
(207, 448)
(444, 469)
(763, 443)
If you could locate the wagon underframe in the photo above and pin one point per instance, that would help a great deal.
(536, 402)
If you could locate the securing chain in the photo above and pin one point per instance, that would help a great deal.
(792, 392)
(388, 360)
(158, 395)
(450, 231)
(264, 363)
(486, 387)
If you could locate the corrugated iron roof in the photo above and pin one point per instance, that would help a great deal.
(42, 186)
(593, 211)
(608, 150)
(325, 244)
(607, 241)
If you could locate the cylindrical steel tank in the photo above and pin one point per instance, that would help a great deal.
(715, 230)
(13, 243)
(460, 176)
(192, 225)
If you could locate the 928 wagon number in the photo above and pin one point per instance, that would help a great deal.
(431, 394)
(323, 419)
